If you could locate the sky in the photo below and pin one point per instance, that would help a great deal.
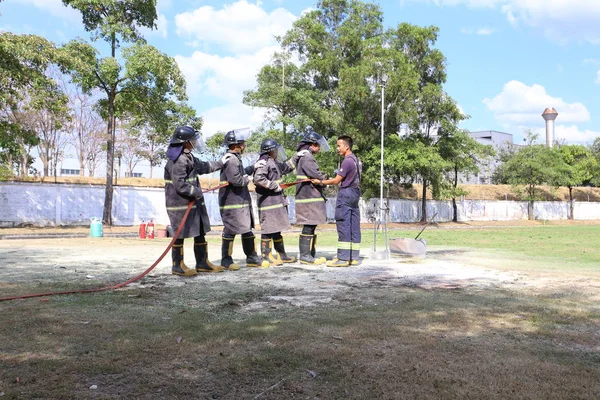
(507, 60)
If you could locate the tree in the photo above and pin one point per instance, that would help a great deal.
(532, 165)
(579, 165)
(146, 75)
(86, 129)
(465, 155)
(24, 60)
(595, 151)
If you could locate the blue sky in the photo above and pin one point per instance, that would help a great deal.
(507, 59)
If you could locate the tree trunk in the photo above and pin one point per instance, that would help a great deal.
(110, 154)
(424, 202)
(110, 148)
(454, 206)
(530, 215)
(571, 206)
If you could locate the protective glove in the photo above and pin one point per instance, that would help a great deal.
(226, 158)
(247, 179)
(278, 189)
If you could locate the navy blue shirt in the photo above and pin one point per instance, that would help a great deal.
(349, 171)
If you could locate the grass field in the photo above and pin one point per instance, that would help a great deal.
(365, 332)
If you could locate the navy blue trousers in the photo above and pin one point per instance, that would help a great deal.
(347, 221)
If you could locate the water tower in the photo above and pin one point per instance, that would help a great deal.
(549, 116)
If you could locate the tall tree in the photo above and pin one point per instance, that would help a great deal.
(465, 155)
(578, 167)
(145, 76)
(532, 165)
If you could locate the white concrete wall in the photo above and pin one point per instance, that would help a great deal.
(58, 204)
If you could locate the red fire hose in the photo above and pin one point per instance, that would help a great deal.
(135, 278)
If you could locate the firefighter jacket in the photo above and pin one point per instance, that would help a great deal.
(310, 201)
(272, 205)
(182, 186)
(235, 202)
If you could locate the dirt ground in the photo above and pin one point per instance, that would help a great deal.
(111, 260)
(457, 323)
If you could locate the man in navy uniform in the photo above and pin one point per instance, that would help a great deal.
(347, 212)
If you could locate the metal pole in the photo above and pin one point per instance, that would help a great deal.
(381, 210)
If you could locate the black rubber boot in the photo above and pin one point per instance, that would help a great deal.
(305, 244)
(280, 249)
(203, 264)
(252, 259)
(313, 251)
(226, 252)
(179, 267)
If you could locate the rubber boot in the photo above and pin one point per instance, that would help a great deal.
(313, 251)
(280, 249)
(267, 254)
(352, 262)
(252, 259)
(336, 262)
(305, 244)
(226, 252)
(179, 267)
(203, 264)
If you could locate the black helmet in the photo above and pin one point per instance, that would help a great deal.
(184, 134)
(268, 145)
(236, 136)
(312, 137)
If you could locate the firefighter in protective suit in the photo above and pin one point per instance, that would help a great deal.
(181, 187)
(272, 205)
(235, 202)
(310, 201)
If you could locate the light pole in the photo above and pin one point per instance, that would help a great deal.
(381, 255)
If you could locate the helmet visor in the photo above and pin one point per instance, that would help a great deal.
(242, 134)
(280, 153)
(324, 145)
(198, 144)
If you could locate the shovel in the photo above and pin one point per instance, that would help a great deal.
(411, 247)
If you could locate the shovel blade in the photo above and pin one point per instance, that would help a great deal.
(407, 246)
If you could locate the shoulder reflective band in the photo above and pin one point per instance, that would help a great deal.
(301, 177)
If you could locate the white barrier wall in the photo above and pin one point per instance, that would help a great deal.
(23, 203)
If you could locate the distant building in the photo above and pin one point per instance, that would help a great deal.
(497, 140)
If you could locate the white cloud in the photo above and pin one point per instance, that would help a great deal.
(484, 31)
(230, 116)
(520, 104)
(237, 27)
(224, 77)
(56, 9)
(560, 20)
(570, 133)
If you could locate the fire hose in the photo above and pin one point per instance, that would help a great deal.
(135, 278)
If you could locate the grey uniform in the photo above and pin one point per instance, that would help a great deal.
(310, 202)
(234, 199)
(272, 205)
(181, 187)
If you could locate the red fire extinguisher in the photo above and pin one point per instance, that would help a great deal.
(142, 230)
(150, 230)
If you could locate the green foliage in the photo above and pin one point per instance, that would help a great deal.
(579, 165)
(111, 20)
